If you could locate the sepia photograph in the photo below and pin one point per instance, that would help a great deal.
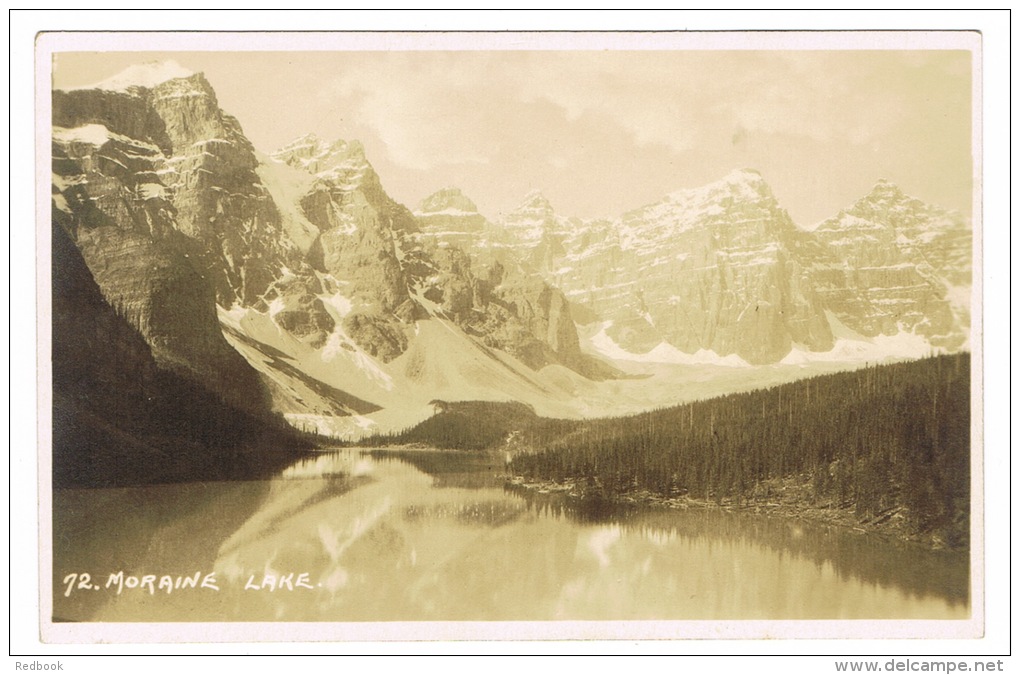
(511, 336)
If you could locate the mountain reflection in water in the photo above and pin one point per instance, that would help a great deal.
(437, 536)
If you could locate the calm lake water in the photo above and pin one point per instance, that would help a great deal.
(352, 536)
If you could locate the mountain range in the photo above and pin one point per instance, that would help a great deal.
(291, 282)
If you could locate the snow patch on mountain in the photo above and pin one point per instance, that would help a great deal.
(98, 135)
(287, 186)
(93, 134)
(603, 345)
(146, 75)
(232, 317)
(60, 202)
(445, 212)
(902, 345)
(339, 159)
(851, 346)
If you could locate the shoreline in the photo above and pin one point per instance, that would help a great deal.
(787, 499)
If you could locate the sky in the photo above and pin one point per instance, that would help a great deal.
(600, 132)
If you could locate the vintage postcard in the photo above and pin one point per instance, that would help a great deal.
(376, 336)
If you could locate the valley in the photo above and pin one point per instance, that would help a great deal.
(293, 275)
(266, 367)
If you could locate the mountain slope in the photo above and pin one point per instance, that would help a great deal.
(891, 264)
(501, 297)
(721, 274)
(158, 189)
(108, 199)
(707, 269)
(293, 281)
(121, 419)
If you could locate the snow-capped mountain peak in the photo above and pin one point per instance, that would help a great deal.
(309, 141)
(740, 184)
(885, 191)
(145, 75)
(323, 158)
(448, 201)
(535, 201)
(744, 175)
(534, 219)
(886, 206)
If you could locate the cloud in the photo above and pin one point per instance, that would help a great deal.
(427, 108)
(433, 108)
(592, 122)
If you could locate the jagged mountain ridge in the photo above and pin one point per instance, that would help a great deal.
(319, 279)
(331, 289)
(393, 276)
(452, 227)
(892, 263)
(722, 270)
(706, 270)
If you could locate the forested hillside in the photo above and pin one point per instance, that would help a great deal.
(480, 425)
(882, 441)
(892, 438)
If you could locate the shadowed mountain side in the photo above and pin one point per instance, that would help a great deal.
(119, 419)
(290, 385)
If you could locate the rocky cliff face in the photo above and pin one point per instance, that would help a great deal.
(358, 246)
(360, 228)
(221, 203)
(392, 267)
(120, 418)
(334, 292)
(494, 292)
(891, 264)
(722, 269)
(108, 196)
(707, 269)
(193, 156)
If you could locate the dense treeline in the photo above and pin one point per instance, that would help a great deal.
(880, 440)
(479, 425)
(885, 438)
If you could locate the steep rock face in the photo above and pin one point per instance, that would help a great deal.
(124, 113)
(204, 166)
(706, 269)
(109, 198)
(121, 419)
(723, 268)
(393, 267)
(537, 232)
(451, 217)
(360, 226)
(221, 202)
(489, 291)
(176, 214)
(295, 304)
(361, 239)
(891, 264)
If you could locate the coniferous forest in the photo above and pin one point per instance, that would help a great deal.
(880, 440)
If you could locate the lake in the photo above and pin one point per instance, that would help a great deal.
(439, 536)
